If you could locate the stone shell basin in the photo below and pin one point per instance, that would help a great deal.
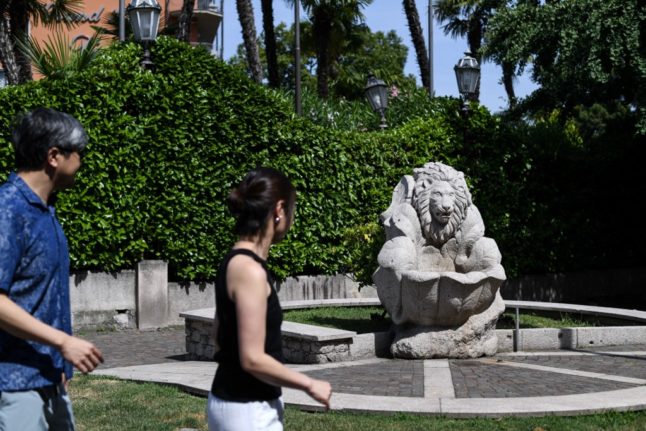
(446, 299)
(424, 286)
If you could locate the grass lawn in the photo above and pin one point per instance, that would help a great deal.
(103, 404)
(368, 319)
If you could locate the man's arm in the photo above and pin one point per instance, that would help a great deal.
(19, 323)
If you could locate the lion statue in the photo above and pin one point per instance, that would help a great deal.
(440, 197)
(436, 268)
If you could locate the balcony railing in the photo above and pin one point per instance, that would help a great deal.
(210, 5)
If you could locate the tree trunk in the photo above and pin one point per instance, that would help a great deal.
(245, 15)
(474, 39)
(7, 52)
(418, 40)
(184, 24)
(270, 43)
(322, 29)
(19, 17)
(508, 82)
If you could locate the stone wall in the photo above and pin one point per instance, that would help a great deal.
(111, 299)
(302, 351)
(143, 298)
(200, 342)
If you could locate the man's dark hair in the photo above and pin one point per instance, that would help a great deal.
(35, 132)
(252, 201)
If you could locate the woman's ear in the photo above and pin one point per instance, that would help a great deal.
(279, 210)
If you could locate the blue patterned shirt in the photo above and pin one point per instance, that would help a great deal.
(34, 273)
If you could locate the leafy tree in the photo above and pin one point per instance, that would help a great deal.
(582, 53)
(15, 18)
(410, 9)
(383, 54)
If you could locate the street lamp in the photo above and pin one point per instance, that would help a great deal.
(144, 19)
(467, 73)
(376, 91)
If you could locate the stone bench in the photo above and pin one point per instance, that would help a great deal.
(309, 344)
(302, 344)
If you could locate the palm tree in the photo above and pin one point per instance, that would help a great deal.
(508, 81)
(185, 17)
(464, 18)
(418, 40)
(469, 18)
(332, 21)
(59, 58)
(245, 15)
(15, 16)
(270, 43)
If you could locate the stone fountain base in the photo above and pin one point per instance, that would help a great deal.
(475, 338)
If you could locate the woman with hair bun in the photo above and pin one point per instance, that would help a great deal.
(246, 391)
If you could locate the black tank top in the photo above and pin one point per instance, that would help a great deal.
(231, 382)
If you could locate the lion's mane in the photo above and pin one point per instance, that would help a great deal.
(424, 177)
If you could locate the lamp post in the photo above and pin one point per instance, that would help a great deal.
(144, 19)
(467, 73)
(376, 91)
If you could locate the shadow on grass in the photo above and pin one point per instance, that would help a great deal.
(360, 326)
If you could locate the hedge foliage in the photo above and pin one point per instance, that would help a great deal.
(166, 147)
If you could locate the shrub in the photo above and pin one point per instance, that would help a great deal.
(166, 147)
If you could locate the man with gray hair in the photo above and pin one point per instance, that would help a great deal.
(37, 350)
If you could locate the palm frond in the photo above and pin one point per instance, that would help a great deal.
(58, 58)
(58, 12)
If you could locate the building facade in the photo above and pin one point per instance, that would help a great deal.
(206, 24)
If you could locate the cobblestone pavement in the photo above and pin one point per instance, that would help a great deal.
(617, 364)
(479, 379)
(531, 375)
(394, 378)
(133, 347)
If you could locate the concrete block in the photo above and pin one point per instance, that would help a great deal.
(363, 346)
(152, 294)
(611, 336)
(97, 297)
(548, 339)
(505, 340)
(188, 297)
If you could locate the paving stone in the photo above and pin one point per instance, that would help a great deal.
(405, 378)
(399, 378)
(475, 379)
(615, 364)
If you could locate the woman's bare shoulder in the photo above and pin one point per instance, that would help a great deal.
(246, 268)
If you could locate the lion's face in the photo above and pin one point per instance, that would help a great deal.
(441, 201)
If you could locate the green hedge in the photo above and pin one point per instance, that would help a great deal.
(165, 148)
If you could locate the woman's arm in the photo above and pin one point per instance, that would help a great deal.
(248, 288)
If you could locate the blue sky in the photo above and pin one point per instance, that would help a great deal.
(386, 15)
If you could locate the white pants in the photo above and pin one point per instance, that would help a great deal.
(251, 416)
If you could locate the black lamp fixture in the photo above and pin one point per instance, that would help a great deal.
(467, 73)
(144, 19)
(376, 92)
